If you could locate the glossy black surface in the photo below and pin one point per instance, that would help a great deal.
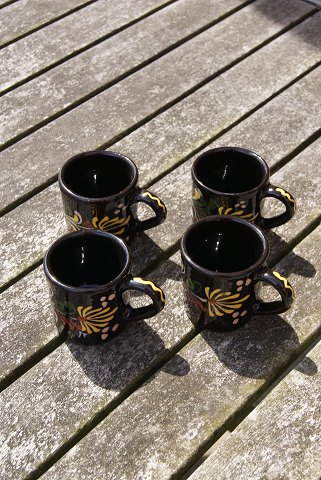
(99, 191)
(98, 174)
(223, 258)
(87, 260)
(230, 170)
(90, 285)
(224, 246)
(234, 181)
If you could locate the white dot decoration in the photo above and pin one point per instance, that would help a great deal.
(104, 336)
(116, 211)
(239, 282)
(104, 304)
(127, 238)
(120, 205)
(235, 314)
(111, 297)
(104, 330)
(115, 327)
(235, 321)
(103, 299)
(239, 289)
(248, 281)
(243, 313)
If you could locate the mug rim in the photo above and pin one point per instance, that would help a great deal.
(66, 190)
(53, 279)
(212, 273)
(266, 174)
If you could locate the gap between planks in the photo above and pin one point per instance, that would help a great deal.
(236, 421)
(228, 426)
(148, 118)
(141, 65)
(86, 47)
(45, 24)
(174, 247)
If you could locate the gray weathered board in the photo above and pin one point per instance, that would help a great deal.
(91, 124)
(159, 81)
(41, 217)
(117, 56)
(297, 176)
(14, 22)
(281, 438)
(50, 45)
(160, 428)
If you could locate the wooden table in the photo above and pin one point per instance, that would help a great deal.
(159, 81)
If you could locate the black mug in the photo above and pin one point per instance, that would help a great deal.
(99, 191)
(90, 281)
(223, 259)
(234, 181)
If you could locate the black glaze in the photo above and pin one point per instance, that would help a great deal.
(88, 274)
(99, 191)
(223, 259)
(235, 181)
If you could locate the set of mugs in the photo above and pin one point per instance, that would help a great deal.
(224, 252)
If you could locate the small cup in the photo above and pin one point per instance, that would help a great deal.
(99, 191)
(89, 281)
(234, 181)
(223, 259)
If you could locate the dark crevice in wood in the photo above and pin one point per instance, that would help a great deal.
(46, 23)
(118, 79)
(144, 376)
(86, 47)
(161, 110)
(6, 4)
(21, 275)
(137, 382)
(296, 151)
(31, 362)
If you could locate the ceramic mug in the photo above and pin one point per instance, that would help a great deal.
(89, 279)
(223, 259)
(234, 181)
(99, 191)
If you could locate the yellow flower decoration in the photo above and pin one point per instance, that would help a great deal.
(197, 194)
(220, 302)
(114, 225)
(93, 320)
(250, 217)
(75, 221)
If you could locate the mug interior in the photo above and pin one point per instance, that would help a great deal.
(230, 170)
(223, 246)
(97, 174)
(86, 260)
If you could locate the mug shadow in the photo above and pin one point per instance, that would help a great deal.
(307, 34)
(145, 251)
(292, 263)
(259, 348)
(114, 364)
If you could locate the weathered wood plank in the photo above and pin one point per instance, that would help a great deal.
(281, 438)
(21, 17)
(71, 385)
(104, 117)
(40, 220)
(160, 427)
(298, 177)
(47, 46)
(108, 60)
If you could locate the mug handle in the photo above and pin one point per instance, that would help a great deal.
(284, 288)
(156, 205)
(150, 289)
(287, 200)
